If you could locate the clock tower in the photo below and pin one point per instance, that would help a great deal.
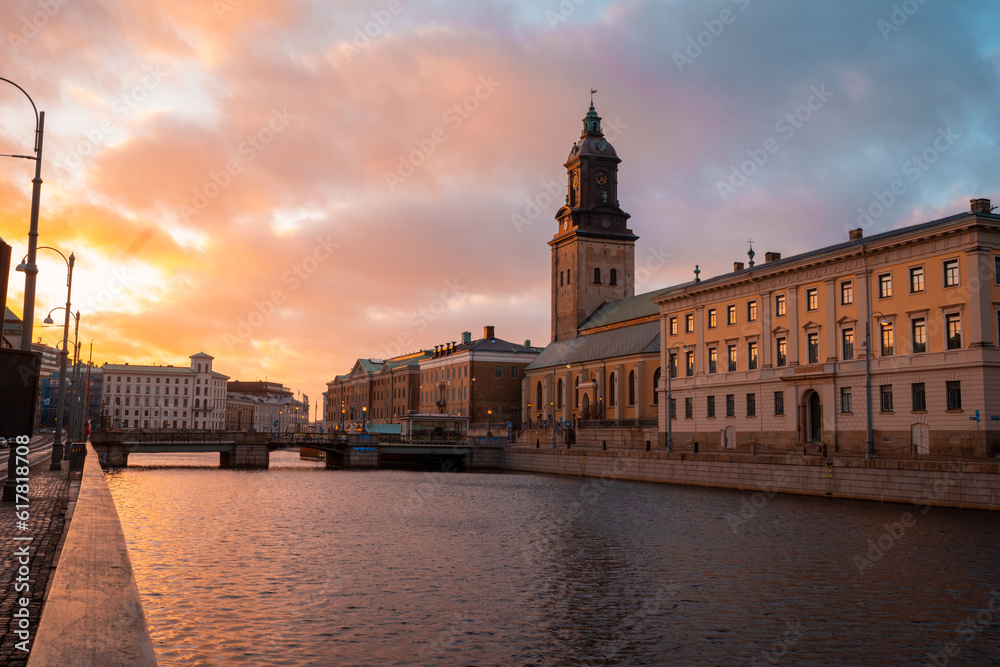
(593, 250)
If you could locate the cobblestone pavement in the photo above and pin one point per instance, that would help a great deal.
(48, 496)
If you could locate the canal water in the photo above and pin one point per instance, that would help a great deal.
(298, 565)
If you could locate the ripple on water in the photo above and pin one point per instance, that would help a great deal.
(300, 565)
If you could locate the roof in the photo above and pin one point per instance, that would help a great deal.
(836, 248)
(138, 368)
(629, 308)
(496, 345)
(201, 355)
(641, 338)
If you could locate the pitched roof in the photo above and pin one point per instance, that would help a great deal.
(636, 339)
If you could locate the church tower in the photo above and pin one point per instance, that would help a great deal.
(593, 250)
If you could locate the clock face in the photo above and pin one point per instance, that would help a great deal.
(601, 178)
(576, 180)
(605, 222)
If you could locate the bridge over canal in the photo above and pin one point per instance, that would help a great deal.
(238, 449)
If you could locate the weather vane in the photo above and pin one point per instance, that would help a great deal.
(592, 91)
(751, 253)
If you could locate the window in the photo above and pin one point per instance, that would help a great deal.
(513, 374)
(885, 393)
(713, 360)
(751, 405)
(812, 299)
(919, 397)
(672, 365)
(731, 314)
(689, 362)
(569, 272)
(919, 330)
(917, 279)
(751, 311)
(954, 388)
(752, 355)
(953, 324)
(996, 270)
(887, 339)
(597, 276)
(951, 273)
(562, 275)
(779, 403)
(845, 399)
(812, 345)
(781, 358)
(689, 323)
(673, 326)
(731, 357)
(885, 286)
(673, 408)
(710, 406)
(730, 405)
(559, 393)
(498, 371)
(779, 304)
(688, 407)
(846, 293)
(612, 386)
(656, 383)
(631, 387)
(613, 278)
(847, 343)
(711, 318)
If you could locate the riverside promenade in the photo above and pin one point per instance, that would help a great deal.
(50, 494)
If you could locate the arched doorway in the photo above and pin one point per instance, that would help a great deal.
(586, 406)
(813, 417)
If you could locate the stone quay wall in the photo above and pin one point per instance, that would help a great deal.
(965, 484)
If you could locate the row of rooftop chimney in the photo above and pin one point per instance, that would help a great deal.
(445, 349)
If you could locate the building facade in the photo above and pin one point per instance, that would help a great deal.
(164, 397)
(379, 391)
(775, 355)
(478, 379)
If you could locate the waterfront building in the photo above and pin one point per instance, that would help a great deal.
(772, 355)
(165, 397)
(775, 353)
(477, 379)
(376, 391)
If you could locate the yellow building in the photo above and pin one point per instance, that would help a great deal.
(773, 356)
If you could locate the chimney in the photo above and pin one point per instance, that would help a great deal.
(488, 332)
(771, 256)
(527, 342)
(737, 266)
(466, 337)
(855, 234)
(980, 205)
(436, 351)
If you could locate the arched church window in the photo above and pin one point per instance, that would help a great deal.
(612, 381)
(656, 385)
(631, 387)
(597, 276)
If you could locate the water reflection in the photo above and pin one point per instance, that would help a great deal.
(300, 565)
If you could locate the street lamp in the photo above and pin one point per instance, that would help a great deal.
(30, 270)
(869, 441)
(71, 433)
(364, 417)
(70, 261)
(670, 372)
(489, 423)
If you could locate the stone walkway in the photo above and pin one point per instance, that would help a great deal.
(48, 499)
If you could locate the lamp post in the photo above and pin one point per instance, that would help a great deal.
(30, 270)
(869, 440)
(552, 407)
(72, 431)
(364, 417)
(529, 414)
(57, 442)
(489, 423)
(670, 372)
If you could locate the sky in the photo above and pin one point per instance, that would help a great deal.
(290, 185)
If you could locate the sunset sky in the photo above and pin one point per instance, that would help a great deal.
(290, 185)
